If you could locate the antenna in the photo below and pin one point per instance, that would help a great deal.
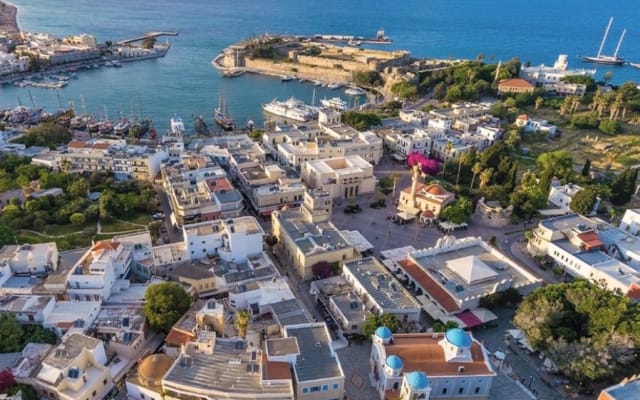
(615, 55)
(604, 38)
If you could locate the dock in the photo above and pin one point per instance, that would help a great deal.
(147, 35)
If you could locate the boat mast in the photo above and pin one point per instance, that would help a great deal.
(604, 38)
(615, 55)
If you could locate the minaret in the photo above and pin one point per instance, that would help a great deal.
(414, 183)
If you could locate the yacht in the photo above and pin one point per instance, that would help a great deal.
(335, 102)
(292, 108)
(122, 127)
(354, 91)
(603, 59)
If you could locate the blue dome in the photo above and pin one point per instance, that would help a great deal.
(417, 380)
(394, 362)
(383, 332)
(458, 337)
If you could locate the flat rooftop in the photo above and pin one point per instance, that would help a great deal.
(316, 360)
(65, 353)
(383, 287)
(229, 370)
(350, 306)
(123, 317)
(282, 346)
(312, 238)
(289, 312)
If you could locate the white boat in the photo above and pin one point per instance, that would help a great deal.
(334, 86)
(177, 126)
(122, 127)
(286, 78)
(354, 91)
(335, 102)
(635, 65)
(292, 108)
(317, 83)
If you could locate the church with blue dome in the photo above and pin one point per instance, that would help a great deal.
(412, 366)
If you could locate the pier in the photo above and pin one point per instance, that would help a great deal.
(147, 35)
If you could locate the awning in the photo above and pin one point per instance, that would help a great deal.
(469, 319)
(405, 215)
(484, 314)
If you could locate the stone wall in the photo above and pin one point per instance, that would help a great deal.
(492, 214)
(304, 71)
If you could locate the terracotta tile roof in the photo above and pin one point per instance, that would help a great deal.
(436, 190)
(77, 144)
(218, 184)
(64, 324)
(590, 239)
(392, 394)
(429, 285)
(177, 338)
(421, 352)
(101, 146)
(105, 245)
(515, 83)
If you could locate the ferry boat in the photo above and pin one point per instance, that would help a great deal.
(603, 59)
(335, 102)
(177, 126)
(292, 108)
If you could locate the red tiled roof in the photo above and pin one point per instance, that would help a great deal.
(101, 146)
(436, 190)
(590, 239)
(218, 184)
(428, 214)
(177, 338)
(515, 83)
(64, 324)
(429, 285)
(105, 245)
(76, 144)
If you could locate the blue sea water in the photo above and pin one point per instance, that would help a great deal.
(185, 83)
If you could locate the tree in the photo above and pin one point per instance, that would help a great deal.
(586, 169)
(322, 269)
(7, 235)
(440, 327)
(241, 322)
(607, 77)
(374, 321)
(583, 201)
(609, 127)
(476, 169)
(165, 304)
(458, 212)
(623, 186)
(11, 334)
(485, 177)
(539, 102)
(360, 120)
(77, 219)
(47, 134)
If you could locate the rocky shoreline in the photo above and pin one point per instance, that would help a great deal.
(8, 18)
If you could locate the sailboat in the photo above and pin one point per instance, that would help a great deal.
(603, 59)
(220, 115)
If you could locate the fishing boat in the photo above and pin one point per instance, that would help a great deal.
(122, 127)
(200, 125)
(604, 59)
(105, 127)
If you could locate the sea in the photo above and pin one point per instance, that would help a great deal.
(184, 83)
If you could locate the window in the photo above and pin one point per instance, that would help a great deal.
(477, 390)
(315, 389)
(336, 386)
(94, 393)
(325, 388)
(305, 390)
(444, 391)
(460, 390)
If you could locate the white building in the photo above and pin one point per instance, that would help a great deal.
(430, 365)
(533, 125)
(28, 309)
(450, 278)
(420, 141)
(590, 249)
(631, 221)
(561, 195)
(76, 369)
(100, 272)
(232, 240)
(380, 291)
(341, 177)
(30, 259)
(10, 64)
(542, 74)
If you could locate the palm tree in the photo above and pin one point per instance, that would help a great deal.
(242, 323)
(446, 155)
(539, 102)
(485, 177)
(476, 169)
